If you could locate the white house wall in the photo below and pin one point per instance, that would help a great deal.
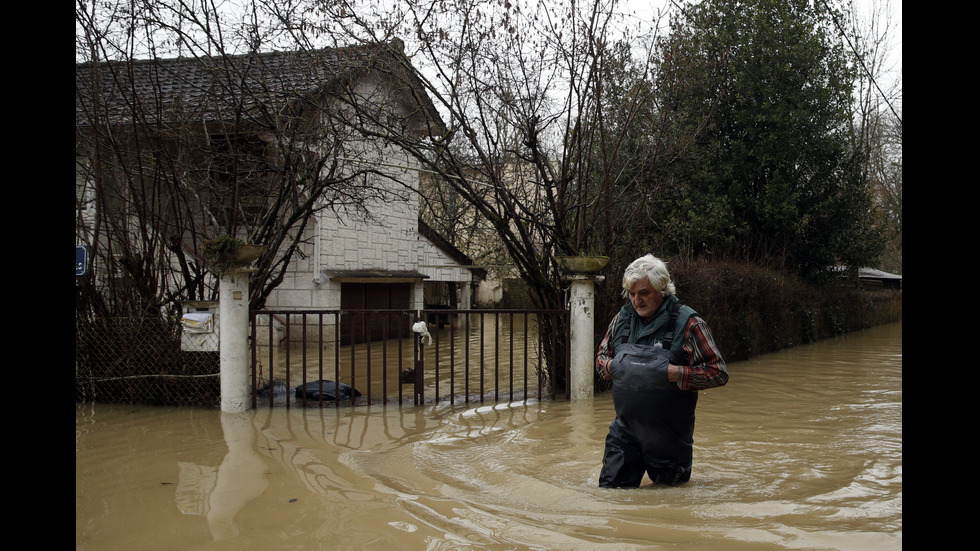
(390, 242)
(386, 242)
(393, 244)
(439, 266)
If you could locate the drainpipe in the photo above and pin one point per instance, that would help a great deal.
(318, 236)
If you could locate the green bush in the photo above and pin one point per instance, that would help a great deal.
(753, 310)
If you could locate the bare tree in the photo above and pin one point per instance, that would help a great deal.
(552, 141)
(230, 138)
(551, 136)
(878, 120)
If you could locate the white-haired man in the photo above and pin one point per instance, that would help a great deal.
(658, 353)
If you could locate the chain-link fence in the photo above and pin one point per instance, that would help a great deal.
(145, 361)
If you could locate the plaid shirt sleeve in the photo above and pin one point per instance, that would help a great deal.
(605, 354)
(707, 369)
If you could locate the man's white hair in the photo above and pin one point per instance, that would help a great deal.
(649, 267)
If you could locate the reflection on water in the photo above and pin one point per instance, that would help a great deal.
(802, 450)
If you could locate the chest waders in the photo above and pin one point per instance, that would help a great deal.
(654, 427)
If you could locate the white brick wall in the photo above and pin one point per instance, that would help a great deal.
(387, 242)
(438, 265)
(390, 241)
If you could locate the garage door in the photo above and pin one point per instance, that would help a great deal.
(371, 297)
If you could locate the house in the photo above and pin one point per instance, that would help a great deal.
(219, 137)
(869, 277)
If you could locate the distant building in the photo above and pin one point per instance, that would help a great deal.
(871, 277)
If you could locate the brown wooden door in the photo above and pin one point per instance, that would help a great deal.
(368, 299)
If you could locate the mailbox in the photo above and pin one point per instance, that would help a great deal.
(199, 327)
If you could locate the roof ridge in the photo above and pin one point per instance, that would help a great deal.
(394, 44)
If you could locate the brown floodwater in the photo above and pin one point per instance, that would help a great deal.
(801, 450)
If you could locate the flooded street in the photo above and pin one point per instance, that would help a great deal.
(801, 450)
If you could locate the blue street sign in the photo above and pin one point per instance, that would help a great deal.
(81, 259)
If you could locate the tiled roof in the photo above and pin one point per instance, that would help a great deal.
(868, 273)
(872, 273)
(210, 89)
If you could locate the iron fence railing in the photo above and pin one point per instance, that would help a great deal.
(379, 356)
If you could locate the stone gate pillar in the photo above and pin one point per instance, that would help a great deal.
(233, 317)
(581, 304)
(582, 272)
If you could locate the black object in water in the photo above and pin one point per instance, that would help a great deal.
(330, 390)
(279, 390)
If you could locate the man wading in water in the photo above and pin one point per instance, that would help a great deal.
(658, 354)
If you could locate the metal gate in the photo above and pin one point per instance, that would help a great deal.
(352, 357)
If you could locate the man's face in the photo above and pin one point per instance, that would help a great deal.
(646, 300)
